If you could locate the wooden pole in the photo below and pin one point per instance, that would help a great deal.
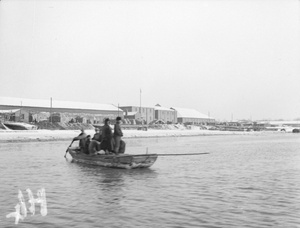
(129, 155)
(50, 109)
(141, 105)
(182, 154)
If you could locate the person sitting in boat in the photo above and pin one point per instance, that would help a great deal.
(86, 145)
(106, 143)
(117, 134)
(95, 144)
(82, 140)
(97, 136)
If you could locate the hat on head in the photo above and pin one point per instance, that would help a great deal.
(106, 120)
(118, 118)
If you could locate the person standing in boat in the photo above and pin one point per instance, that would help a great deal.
(117, 134)
(106, 143)
(82, 140)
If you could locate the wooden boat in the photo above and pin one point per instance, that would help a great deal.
(19, 126)
(123, 161)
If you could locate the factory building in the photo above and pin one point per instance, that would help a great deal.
(36, 110)
(141, 114)
(166, 115)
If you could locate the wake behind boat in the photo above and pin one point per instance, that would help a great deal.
(123, 161)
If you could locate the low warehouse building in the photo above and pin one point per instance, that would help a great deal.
(192, 116)
(35, 110)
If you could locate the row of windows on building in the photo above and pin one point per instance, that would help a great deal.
(148, 115)
(130, 114)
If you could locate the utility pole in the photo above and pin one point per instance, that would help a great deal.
(50, 109)
(141, 105)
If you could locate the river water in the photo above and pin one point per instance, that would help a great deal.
(244, 181)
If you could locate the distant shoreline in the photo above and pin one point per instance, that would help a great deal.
(67, 135)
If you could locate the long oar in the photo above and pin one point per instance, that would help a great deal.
(181, 154)
(139, 155)
(69, 147)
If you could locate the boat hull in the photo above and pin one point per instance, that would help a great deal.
(19, 126)
(122, 161)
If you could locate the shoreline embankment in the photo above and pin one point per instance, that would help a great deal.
(14, 136)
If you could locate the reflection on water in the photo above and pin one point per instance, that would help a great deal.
(245, 181)
(109, 175)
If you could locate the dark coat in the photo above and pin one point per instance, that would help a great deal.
(106, 143)
(117, 130)
(106, 132)
(97, 137)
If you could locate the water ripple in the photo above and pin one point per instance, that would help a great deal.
(246, 181)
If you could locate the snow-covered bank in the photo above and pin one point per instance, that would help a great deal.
(62, 135)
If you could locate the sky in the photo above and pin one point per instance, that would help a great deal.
(230, 59)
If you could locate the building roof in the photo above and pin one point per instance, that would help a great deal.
(190, 113)
(163, 108)
(281, 122)
(135, 106)
(18, 102)
(9, 111)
